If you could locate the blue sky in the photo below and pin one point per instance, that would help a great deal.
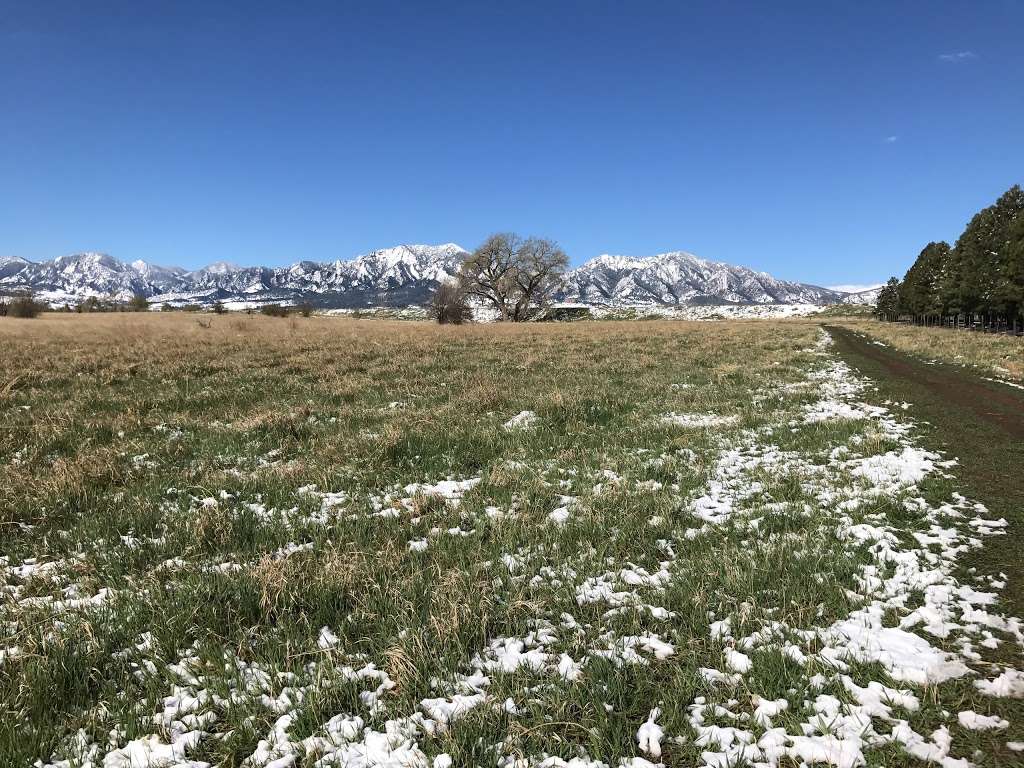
(824, 142)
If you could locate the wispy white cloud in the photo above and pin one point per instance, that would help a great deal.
(855, 287)
(891, 139)
(958, 56)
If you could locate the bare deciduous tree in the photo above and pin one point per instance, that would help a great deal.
(448, 304)
(514, 275)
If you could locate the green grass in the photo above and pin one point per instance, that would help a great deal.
(163, 461)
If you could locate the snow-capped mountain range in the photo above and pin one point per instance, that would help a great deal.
(680, 278)
(401, 276)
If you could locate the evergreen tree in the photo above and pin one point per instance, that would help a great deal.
(981, 279)
(889, 298)
(1007, 282)
(1010, 290)
(919, 292)
(949, 283)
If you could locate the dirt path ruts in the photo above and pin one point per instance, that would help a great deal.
(979, 422)
(994, 402)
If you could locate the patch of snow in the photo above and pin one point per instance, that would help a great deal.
(522, 420)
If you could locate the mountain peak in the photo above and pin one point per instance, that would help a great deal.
(610, 261)
(220, 268)
(89, 258)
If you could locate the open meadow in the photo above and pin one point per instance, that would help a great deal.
(248, 541)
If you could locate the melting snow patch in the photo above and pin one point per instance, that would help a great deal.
(736, 661)
(1004, 381)
(907, 657)
(1010, 684)
(976, 722)
(891, 471)
(559, 516)
(522, 420)
(451, 491)
(697, 420)
(327, 639)
(650, 734)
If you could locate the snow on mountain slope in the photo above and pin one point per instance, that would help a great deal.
(869, 296)
(401, 276)
(11, 265)
(679, 278)
(398, 276)
(76, 277)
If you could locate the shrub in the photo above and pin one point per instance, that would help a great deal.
(567, 314)
(219, 308)
(138, 303)
(305, 309)
(91, 304)
(274, 310)
(21, 306)
(449, 305)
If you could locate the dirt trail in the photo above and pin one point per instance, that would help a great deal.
(979, 422)
(994, 402)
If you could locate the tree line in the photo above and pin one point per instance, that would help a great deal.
(979, 281)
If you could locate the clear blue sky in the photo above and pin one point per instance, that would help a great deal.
(820, 141)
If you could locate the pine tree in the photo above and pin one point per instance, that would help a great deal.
(1006, 283)
(1011, 289)
(982, 279)
(889, 298)
(919, 292)
(949, 283)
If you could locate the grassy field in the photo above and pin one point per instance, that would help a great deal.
(294, 542)
(992, 355)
